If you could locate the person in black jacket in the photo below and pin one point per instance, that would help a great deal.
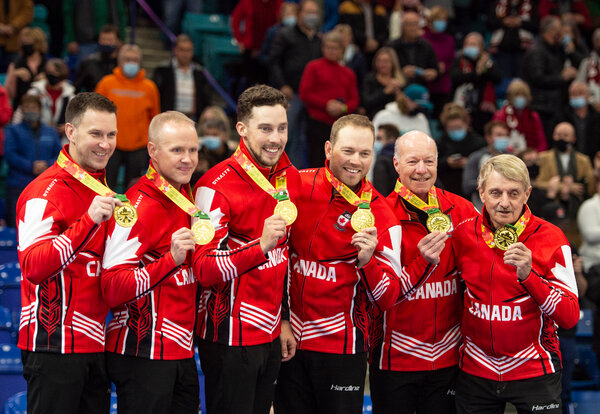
(416, 55)
(292, 48)
(545, 71)
(100, 63)
(474, 75)
(181, 83)
(384, 172)
(456, 144)
(584, 117)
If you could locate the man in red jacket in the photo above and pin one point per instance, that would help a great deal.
(148, 282)
(248, 198)
(520, 284)
(344, 260)
(415, 362)
(60, 221)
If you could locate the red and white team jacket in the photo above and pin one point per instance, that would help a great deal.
(152, 299)
(60, 251)
(509, 327)
(422, 333)
(242, 295)
(330, 297)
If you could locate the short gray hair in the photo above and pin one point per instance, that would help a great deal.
(168, 117)
(509, 166)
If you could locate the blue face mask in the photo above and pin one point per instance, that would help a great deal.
(578, 102)
(439, 26)
(377, 146)
(520, 102)
(289, 20)
(131, 69)
(471, 52)
(501, 144)
(211, 143)
(457, 135)
(566, 39)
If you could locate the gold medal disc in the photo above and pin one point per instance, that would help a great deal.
(439, 222)
(287, 210)
(504, 237)
(361, 219)
(125, 215)
(203, 231)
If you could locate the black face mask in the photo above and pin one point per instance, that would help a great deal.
(53, 80)
(106, 50)
(27, 50)
(561, 145)
(533, 170)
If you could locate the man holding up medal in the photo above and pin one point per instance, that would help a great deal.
(147, 278)
(520, 284)
(61, 219)
(344, 259)
(243, 269)
(415, 361)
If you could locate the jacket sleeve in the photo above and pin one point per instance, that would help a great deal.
(588, 223)
(239, 14)
(352, 91)
(25, 15)
(13, 158)
(555, 292)
(470, 173)
(214, 263)
(6, 109)
(124, 277)
(276, 57)
(309, 94)
(380, 274)
(48, 245)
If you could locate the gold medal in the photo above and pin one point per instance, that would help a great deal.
(504, 237)
(287, 210)
(203, 231)
(439, 222)
(361, 219)
(125, 215)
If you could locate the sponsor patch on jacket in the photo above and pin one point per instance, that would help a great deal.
(343, 221)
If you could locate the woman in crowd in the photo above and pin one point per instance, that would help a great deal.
(380, 86)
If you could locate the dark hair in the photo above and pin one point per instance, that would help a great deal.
(110, 28)
(259, 95)
(60, 66)
(84, 101)
(390, 131)
(182, 38)
(31, 99)
(489, 127)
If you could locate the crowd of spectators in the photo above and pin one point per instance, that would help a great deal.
(481, 77)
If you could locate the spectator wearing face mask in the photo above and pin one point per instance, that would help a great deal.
(458, 141)
(570, 168)
(589, 70)
(526, 129)
(496, 137)
(55, 92)
(214, 147)
(29, 65)
(138, 101)
(288, 17)
(30, 147)
(584, 118)
(100, 63)
(407, 112)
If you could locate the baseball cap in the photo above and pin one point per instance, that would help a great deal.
(419, 94)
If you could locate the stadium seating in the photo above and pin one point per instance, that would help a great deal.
(8, 245)
(197, 26)
(11, 372)
(586, 402)
(17, 404)
(10, 289)
(8, 334)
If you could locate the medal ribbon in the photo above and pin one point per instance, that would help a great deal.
(280, 193)
(85, 178)
(432, 205)
(519, 226)
(174, 195)
(348, 194)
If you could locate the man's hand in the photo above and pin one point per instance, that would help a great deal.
(182, 242)
(39, 167)
(23, 74)
(409, 71)
(335, 108)
(365, 243)
(520, 257)
(371, 45)
(568, 73)
(432, 245)
(288, 342)
(273, 230)
(102, 208)
(430, 74)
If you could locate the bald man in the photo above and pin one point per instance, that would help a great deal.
(148, 282)
(569, 167)
(415, 365)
